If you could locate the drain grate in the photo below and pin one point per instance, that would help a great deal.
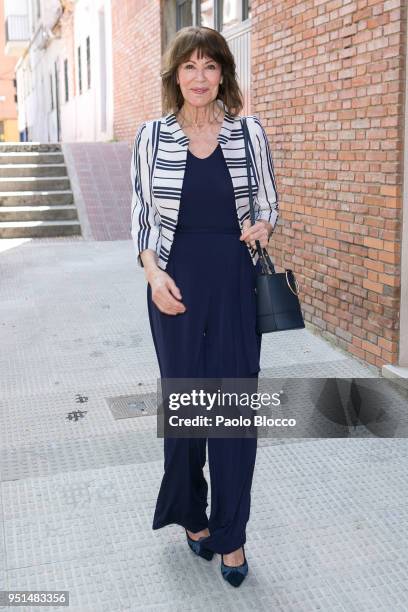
(131, 406)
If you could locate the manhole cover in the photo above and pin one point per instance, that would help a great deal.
(130, 406)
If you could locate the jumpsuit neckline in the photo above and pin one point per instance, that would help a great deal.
(204, 158)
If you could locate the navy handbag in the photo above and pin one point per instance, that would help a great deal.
(277, 302)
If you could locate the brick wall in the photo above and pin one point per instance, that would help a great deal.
(327, 83)
(136, 40)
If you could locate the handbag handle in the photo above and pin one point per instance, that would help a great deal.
(266, 262)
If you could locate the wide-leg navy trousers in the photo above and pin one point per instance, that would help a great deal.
(209, 340)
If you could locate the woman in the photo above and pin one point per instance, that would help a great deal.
(194, 239)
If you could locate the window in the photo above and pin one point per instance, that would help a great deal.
(15, 90)
(51, 92)
(230, 13)
(184, 13)
(79, 71)
(218, 14)
(206, 13)
(88, 61)
(66, 80)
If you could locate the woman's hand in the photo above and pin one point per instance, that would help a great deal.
(165, 293)
(261, 230)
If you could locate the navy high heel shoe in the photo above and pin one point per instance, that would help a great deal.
(234, 574)
(198, 548)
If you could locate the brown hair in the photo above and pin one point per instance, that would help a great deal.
(207, 42)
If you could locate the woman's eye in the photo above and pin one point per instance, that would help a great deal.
(191, 66)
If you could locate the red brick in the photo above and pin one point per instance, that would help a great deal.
(341, 175)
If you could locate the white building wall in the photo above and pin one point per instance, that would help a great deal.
(82, 116)
(15, 7)
(34, 93)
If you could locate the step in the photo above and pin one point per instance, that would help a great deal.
(39, 229)
(34, 183)
(7, 147)
(31, 198)
(32, 170)
(38, 213)
(27, 157)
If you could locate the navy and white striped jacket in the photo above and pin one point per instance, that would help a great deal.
(157, 171)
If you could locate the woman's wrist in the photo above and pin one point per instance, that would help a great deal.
(151, 271)
(268, 226)
(149, 259)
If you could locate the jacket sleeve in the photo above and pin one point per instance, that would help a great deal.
(266, 200)
(144, 224)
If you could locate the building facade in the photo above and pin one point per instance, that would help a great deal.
(8, 87)
(64, 70)
(328, 82)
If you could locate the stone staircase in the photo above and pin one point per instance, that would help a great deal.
(35, 192)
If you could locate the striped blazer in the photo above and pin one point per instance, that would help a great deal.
(157, 171)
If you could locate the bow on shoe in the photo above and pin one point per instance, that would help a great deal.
(234, 575)
(199, 549)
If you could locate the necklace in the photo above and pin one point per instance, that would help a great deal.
(195, 124)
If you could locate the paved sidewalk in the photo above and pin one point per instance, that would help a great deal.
(328, 526)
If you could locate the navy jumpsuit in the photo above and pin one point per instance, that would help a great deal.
(215, 337)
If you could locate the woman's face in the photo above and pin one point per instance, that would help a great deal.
(199, 79)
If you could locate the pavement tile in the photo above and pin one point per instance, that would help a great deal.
(329, 517)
